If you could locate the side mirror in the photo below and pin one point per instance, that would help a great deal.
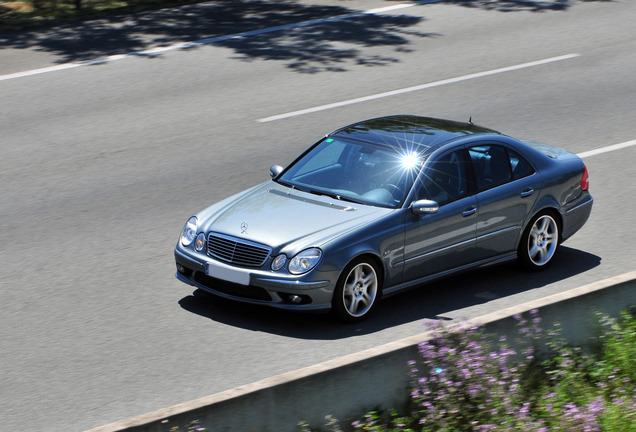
(424, 207)
(275, 170)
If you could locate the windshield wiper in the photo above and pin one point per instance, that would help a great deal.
(352, 200)
(282, 183)
(335, 196)
(327, 194)
(293, 186)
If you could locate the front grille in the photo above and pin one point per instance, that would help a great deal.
(237, 251)
(249, 292)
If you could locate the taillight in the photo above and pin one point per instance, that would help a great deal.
(585, 183)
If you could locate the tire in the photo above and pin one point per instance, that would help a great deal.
(539, 242)
(357, 291)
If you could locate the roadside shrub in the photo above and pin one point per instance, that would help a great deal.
(467, 381)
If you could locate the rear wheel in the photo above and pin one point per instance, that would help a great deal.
(357, 291)
(540, 242)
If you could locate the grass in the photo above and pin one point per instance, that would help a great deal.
(18, 14)
(467, 381)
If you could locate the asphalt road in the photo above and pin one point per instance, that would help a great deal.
(101, 165)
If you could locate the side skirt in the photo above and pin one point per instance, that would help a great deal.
(427, 279)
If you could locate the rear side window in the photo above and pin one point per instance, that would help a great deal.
(491, 164)
(495, 165)
(520, 166)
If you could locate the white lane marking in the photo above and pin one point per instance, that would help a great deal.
(39, 71)
(186, 45)
(394, 7)
(418, 87)
(63, 67)
(607, 149)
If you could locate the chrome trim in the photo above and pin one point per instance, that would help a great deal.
(578, 206)
(469, 212)
(311, 201)
(484, 263)
(496, 233)
(289, 284)
(427, 254)
(527, 193)
(237, 240)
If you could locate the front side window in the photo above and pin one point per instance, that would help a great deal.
(444, 180)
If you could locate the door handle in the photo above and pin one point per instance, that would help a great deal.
(527, 192)
(469, 211)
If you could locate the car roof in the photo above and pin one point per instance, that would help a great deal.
(409, 132)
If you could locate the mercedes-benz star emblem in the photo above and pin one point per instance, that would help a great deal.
(244, 228)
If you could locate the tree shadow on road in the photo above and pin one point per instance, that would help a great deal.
(326, 45)
(331, 44)
(435, 301)
(521, 5)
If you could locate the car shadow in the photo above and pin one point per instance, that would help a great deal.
(433, 301)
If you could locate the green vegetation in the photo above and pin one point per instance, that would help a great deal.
(467, 381)
(15, 14)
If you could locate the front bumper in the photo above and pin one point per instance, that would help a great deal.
(265, 288)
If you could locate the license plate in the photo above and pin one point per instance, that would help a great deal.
(227, 274)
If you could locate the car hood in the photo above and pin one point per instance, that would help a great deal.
(284, 218)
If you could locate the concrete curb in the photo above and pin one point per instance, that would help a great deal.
(347, 386)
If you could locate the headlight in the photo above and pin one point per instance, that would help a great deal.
(305, 261)
(189, 231)
(279, 262)
(199, 243)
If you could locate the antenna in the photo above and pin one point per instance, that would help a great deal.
(470, 120)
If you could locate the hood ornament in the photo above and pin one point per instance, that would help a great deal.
(244, 228)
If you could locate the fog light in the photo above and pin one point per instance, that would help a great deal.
(180, 268)
(295, 299)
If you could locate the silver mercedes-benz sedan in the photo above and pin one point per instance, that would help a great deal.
(381, 206)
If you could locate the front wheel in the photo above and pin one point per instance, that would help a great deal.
(539, 242)
(357, 291)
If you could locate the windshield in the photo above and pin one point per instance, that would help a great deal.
(355, 171)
